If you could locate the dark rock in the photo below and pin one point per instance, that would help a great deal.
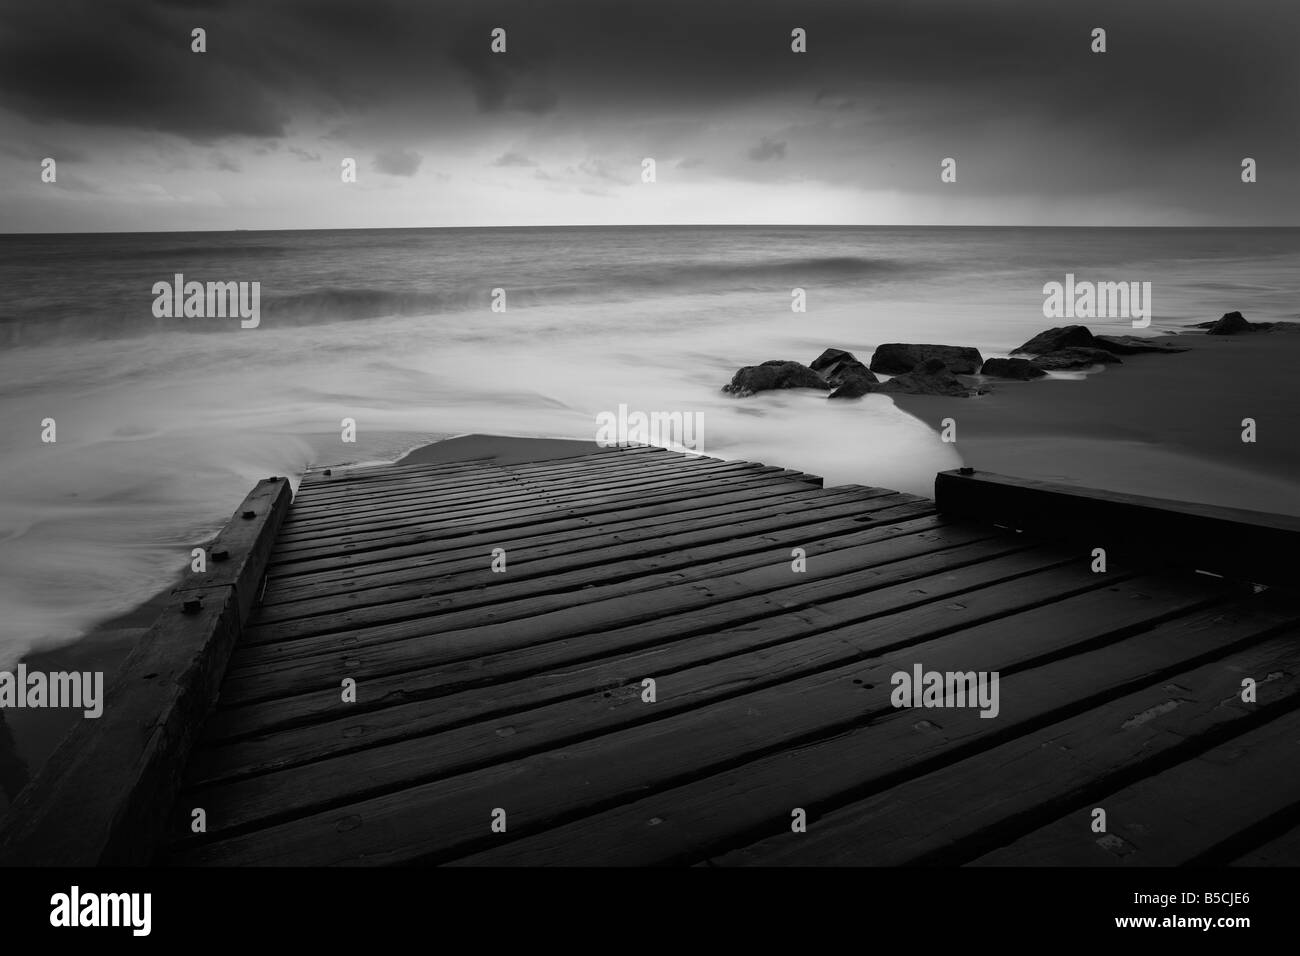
(778, 373)
(1075, 358)
(830, 358)
(837, 367)
(1054, 340)
(931, 377)
(854, 383)
(1234, 323)
(1017, 368)
(897, 358)
(1132, 345)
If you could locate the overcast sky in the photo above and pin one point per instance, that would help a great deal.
(251, 134)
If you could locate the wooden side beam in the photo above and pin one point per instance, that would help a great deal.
(101, 798)
(1235, 543)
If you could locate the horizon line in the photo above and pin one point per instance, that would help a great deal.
(718, 225)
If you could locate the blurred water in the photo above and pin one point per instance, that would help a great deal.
(164, 424)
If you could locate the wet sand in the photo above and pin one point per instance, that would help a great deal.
(28, 737)
(1168, 426)
(499, 450)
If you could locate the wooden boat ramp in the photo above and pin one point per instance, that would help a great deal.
(640, 657)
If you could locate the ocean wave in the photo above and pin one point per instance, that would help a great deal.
(614, 281)
(364, 302)
(821, 267)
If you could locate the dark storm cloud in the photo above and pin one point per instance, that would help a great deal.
(1180, 70)
(502, 82)
(127, 65)
(886, 88)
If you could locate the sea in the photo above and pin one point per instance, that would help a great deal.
(162, 424)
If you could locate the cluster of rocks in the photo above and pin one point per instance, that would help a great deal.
(1070, 347)
(1234, 323)
(916, 370)
(937, 369)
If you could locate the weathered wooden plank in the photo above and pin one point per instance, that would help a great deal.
(389, 647)
(383, 512)
(358, 484)
(471, 500)
(318, 499)
(448, 817)
(497, 588)
(518, 517)
(307, 511)
(856, 596)
(359, 473)
(511, 600)
(762, 514)
(776, 495)
(477, 484)
(334, 489)
(975, 805)
(476, 497)
(664, 506)
(350, 730)
(507, 605)
(97, 800)
(343, 475)
(1173, 817)
(1247, 545)
(480, 584)
(686, 821)
(378, 768)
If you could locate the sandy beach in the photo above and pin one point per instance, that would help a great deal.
(1167, 426)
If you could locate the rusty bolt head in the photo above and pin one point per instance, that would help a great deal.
(328, 472)
(192, 606)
